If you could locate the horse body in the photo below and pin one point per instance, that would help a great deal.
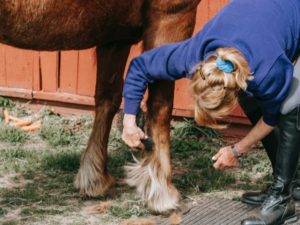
(113, 26)
(69, 24)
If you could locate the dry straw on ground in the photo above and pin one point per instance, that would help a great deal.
(98, 209)
(138, 222)
(124, 204)
(175, 219)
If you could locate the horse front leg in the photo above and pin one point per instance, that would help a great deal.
(152, 175)
(93, 178)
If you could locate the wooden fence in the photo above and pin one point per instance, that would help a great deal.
(70, 76)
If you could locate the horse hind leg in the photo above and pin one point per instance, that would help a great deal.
(152, 175)
(93, 178)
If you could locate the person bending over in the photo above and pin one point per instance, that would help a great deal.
(244, 54)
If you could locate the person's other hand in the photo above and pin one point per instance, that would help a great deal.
(132, 134)
(225, 159)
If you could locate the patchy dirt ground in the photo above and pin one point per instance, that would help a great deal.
(37, 170)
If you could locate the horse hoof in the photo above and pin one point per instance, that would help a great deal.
(110, 194)
(181, 209)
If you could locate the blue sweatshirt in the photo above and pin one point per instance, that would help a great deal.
(266, 32)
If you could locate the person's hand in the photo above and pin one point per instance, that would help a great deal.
(225, 159)
(132, 134)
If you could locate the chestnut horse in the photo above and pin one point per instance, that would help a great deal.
(113, 26)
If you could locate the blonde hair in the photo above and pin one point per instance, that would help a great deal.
(212, 100)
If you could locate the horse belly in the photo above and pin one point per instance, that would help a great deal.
(68, 24)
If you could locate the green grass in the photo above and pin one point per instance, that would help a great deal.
(12, 135)
(33, 210)
(265, 180)
(62, 160)
(206, 180)
(116, 162)
(17, 152)
(87, 121)
(245, 177)
(256, 162)
(184, 148)
(28, 175)
(202, 176)
(2, 117)
(15, 108)
(9, 223)
(197, 157)
(75, 223)
(248, 187)
(55, 133)
(18, 159)
(2, 211)
(47, 191)
(134, 207)
(236, 198)
(189, 129)
(6, 103)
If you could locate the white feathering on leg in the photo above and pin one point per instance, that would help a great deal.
(152, 184)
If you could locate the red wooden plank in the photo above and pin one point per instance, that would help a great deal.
(234, 119)
(202, 15)
(238, 112)
(235, 132)
(16, 92)
(69, 71)
(214, 6)
(2, 66)
(49, 71)
(36, 72)
(19, 67)
(87, 72)
(64, 97)
(135, 51)
(182, 98)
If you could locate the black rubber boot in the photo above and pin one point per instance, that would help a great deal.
(270, 143)
(279, 206)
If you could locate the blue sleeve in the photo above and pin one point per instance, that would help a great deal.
(167, 62)
(274, 88)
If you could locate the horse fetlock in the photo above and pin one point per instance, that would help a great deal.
(96, 186)
(167, 202)
(91, 178)
(154, 185)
